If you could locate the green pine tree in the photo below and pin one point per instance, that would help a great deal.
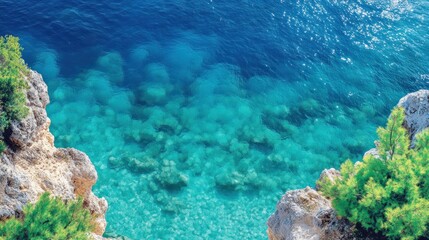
(50, 218)
(12, 84)
(389, 193)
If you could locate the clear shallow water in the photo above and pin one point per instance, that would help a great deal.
(198, 115)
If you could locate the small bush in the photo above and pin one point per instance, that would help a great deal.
(49, 218)
(388, 194)
(12, 82)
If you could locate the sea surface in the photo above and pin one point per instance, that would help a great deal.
(199, 115)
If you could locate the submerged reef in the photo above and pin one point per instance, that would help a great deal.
(307, 214)
(192, 141)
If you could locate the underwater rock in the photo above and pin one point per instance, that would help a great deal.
(169, 177)
(156, 73)
(230, 181)
(112, 65)
(139, 55)
(235, 181)
(121, 102)
(154, 93)
(306, 214)
(309, 108)
(184, 61)
(142, 164)
(98, 83)
(168, 203)
(32, 165)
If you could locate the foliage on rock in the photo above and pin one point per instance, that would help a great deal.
(389, 193)
(12, 83)
(49, 218)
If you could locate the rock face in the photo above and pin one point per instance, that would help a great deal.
(32, 165)
(416, 107)
(306, 214)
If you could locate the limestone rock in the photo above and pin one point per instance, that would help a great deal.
(329, 174)
(373, 152)
(32, 165)
(416, 107)
(306, 214)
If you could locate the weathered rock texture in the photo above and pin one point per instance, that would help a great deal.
(306, 214)
(32, 165)
(416, 107)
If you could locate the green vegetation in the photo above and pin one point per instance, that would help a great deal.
(390, 193)
(12, 83)
(49, 218)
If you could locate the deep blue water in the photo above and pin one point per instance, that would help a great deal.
(198, 115)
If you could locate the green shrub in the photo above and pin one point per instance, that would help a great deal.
(12, 82)
(49, 218)
(2, 146)
(389, 194)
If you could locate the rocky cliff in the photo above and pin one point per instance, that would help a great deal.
(306, 214)
(32, 164)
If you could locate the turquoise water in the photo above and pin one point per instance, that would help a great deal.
(199, 115)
